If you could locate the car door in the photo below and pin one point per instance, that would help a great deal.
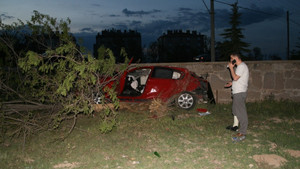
(162, 83)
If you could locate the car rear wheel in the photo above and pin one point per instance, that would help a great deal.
(186, 100)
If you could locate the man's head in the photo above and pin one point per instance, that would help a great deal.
(236, 57)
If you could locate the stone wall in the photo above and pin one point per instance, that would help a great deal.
(279, 79)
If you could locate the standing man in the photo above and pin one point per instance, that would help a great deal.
(239, 84)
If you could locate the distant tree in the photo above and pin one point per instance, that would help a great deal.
(295, 54)
(12, 44)
(233, 36)
(257, 54)
(275, 57)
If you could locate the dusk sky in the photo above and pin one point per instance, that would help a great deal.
(264, 21)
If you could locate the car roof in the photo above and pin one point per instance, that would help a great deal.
(156, 66)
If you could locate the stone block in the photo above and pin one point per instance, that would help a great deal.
(225, 75)
(256, 80)
(253, 96)
(216, 82)
(296, 74)
(222, 96)
(283, 96)
(292, 66)
(253, 66)
(219, 67)
(288, 74)
(262, 67)
(269, 80)
(279, 81)
(279, 67)
(267, 94)
(199, 69)
(292, 84)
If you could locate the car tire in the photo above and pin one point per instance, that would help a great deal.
(185, 100)
(97, 98)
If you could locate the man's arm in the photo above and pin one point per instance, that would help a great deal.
(235, 77)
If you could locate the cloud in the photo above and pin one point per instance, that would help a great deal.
(121, 26)
(252, 15)
(96, 5)
(188, 19)
(113, 15)
(191, 19)
(222, 18)
(138, 13)
(136, 24)
(87, 30)
(256, 14)
(185, 9)
(152, 30)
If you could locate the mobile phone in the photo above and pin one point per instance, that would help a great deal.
(233, 62)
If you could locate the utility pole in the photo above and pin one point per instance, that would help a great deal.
(288, 35)
(212, 31)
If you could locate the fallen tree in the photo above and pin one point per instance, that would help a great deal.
(52, 74)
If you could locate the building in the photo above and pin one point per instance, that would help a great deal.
(116, 39)
(179, 46)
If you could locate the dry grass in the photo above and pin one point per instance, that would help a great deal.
(156, 107)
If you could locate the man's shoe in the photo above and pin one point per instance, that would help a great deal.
(235, 128)
(238, 137)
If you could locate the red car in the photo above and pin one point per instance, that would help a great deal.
(170, 84)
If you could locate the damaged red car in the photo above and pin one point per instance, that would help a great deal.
(170, 84)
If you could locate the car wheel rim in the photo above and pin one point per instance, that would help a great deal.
(97, 99)
(185, 101)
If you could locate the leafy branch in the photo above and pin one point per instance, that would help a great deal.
(54, 71)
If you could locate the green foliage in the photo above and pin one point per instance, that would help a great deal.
(108, 121)
(57, 72)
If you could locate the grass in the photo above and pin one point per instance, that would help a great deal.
(189, 141)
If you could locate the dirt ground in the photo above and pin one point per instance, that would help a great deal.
(270, 160)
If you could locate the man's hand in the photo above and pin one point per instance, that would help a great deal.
(229, 84)
(234, 76)
(230, 66)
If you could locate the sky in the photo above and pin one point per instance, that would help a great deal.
(264, 22)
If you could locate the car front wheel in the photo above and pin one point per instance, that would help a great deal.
(97, 98)
(186, 100)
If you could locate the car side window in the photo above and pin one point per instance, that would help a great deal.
(165, 73)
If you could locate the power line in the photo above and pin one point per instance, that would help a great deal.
(257, 11)
(293, 4)
(206, 6)
(254, 10)
(224, 3)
